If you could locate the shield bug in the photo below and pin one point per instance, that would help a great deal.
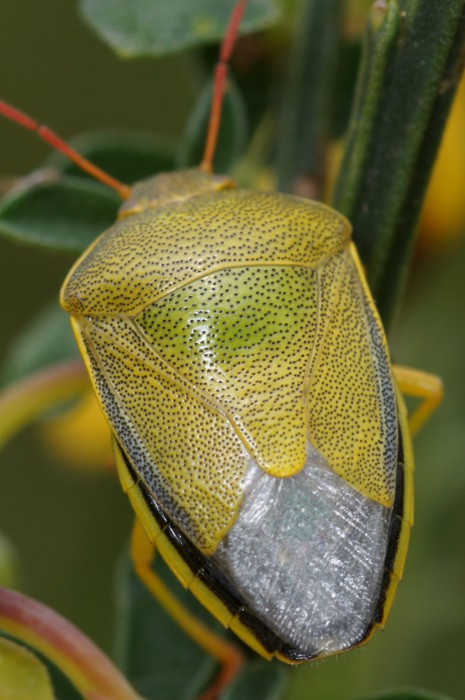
(238, 356)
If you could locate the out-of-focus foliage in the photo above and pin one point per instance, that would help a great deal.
(151, 28)
(69, 525)
(22, 675)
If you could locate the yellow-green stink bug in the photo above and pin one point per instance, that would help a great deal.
(237, 354)
(238, 357)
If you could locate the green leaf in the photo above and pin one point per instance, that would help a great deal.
(22, 674)
(128, 156)
(148, 28)
(162, 662)
(58, 212)
(407, 694)
(233, 131)
(33, 673)
(261, 680)
(45, 341)
(63, 208)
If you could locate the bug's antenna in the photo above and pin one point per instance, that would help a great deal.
(221, 73)
(50, 137)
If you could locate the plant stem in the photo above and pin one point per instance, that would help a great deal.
(307, 105)
(408, 78)
(93, 674)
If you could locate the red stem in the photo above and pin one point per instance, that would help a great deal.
(221, 74)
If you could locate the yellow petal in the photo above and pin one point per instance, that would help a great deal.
(443, 218)
(81, 436)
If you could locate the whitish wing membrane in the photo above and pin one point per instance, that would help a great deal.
(308, 551)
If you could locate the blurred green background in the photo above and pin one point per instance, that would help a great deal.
(54, 67)
(70, 528)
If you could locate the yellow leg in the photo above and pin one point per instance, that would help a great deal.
(414, 382)
(228, 655)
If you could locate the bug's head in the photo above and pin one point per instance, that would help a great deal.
(166, 188)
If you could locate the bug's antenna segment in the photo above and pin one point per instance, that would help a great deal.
(221, 73)
(50, 137)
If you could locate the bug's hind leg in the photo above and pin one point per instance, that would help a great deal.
(414, 382)
(226, 653)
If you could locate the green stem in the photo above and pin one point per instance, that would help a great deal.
(390, 156)
(379, 43)
(308, 103)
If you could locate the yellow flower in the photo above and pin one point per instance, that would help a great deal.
(80, 437)
(443, 217)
